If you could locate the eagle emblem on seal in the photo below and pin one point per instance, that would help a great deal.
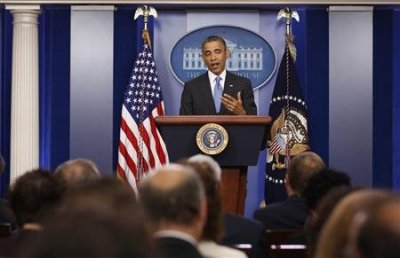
(289, 137)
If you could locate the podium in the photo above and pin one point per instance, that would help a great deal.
(247, 136)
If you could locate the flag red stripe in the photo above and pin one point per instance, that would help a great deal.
(133, 140)
(146, 140)
(159, 148)
(128, 160)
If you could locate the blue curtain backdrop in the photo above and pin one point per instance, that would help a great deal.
(5, 93)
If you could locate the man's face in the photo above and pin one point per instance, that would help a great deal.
(215, 55)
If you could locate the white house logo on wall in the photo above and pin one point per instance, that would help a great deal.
(212, 139)
(251, 56)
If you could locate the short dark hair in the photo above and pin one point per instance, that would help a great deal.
(34, 195)
(179, 202)
(320, 184)
(213, 38)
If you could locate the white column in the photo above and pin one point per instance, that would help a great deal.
(25, 90)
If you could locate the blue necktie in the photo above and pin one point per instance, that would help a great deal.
(217, 93)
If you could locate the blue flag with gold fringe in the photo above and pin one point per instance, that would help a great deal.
(289, 134)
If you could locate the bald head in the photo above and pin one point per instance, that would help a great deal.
(77, 171)
(301, 168)
(172, 193)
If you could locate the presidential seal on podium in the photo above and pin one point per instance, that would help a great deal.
(212, 139)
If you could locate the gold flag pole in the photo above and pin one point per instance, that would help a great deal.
(290, 49)
(144, 11)
(289, 14)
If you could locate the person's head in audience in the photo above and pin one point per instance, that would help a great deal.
(379, 234)
(173, 198)
(325, 207)
(320, 183)
(334, 236)
(108, 195)
(76, 171)
(100, 231)
(33, 196)
(210, 174)
(300, 170)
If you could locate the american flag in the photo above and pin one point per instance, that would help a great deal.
(141, 147)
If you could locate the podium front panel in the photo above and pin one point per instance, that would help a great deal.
(242, 149)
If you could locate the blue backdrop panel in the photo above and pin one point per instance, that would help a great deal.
(5, 94)
(316, 90)
(396, 100)
(54, 81)
(383, 88)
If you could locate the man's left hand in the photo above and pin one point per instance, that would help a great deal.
(233, 105)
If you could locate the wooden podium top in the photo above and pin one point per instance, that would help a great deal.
(226, 120)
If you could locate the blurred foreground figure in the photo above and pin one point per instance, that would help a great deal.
(100, 219)
(210, 174)
(33, 198)
(175, 203)
(379, 236)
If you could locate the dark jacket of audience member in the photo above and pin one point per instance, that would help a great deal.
(241, 230)
(292, 213)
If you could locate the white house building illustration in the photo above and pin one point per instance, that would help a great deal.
(241, 58)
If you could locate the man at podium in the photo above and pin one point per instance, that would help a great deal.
(217, 92)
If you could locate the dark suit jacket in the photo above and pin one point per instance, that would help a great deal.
(170, 247)
(197, 96)
(9, 246)
(289, 214)
(240, 230)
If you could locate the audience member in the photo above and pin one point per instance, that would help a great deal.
(321, 183)
(174, 199)
(317, 218)
(335, 233)
(379, 235)
(213, 229)
(32, 197)
(292, 213)
(76, 171)
(236, 229)
(99, 219)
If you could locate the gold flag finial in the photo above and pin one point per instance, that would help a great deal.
(146, 11)
(289, 14)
